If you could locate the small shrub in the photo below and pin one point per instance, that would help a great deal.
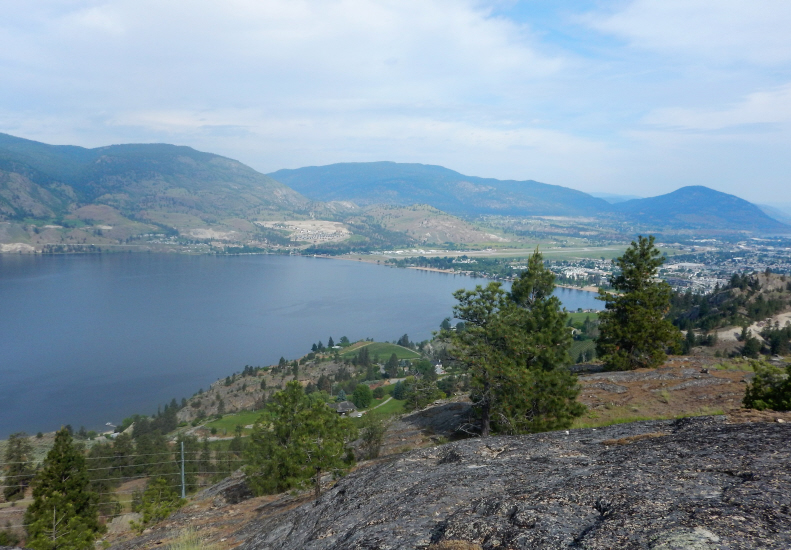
(770, 389)
(190, 540)
(158, 501)
(8, 538)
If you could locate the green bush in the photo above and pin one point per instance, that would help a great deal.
(362, 396)
(770, 389)
(159, 500)
(8, 538)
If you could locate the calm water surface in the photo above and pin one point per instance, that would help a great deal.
(90, 339)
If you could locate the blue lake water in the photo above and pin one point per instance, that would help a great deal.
(89, 339)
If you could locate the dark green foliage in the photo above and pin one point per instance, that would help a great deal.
(399, 390)
(752, 347)
(770, 389)
(363, 358)
(64, 513)
(778, 339)
(372, 432)
(425, 369)
(160, 499)
(8, 538)
(362, 396)
(19, 468)
(297, 440)
(692, 340)
(515, 349)
(419, 392)
(633, 331)
(330, 342)
(379, 392)
(740, 302)
(391, 367)
(449, 385)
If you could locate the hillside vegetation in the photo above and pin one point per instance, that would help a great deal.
(744, 300)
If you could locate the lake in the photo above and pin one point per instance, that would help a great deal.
(89, 339)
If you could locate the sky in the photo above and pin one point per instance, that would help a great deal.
(636, 97)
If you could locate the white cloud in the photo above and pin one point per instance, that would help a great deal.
(770, 107)
(726, 31)
(287, 83)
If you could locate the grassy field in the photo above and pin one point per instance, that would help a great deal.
(394, 406)
(580, 317)
(229, 422)
(384, 351)
(593, 421)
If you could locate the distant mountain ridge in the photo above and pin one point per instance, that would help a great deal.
(698, 207)
(406, 184)
(39, 180)
(688, 208)
(143, 187)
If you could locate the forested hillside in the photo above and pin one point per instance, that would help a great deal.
(745, 299)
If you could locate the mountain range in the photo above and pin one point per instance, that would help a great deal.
(47, 181)
(688, 208)
(178, 188)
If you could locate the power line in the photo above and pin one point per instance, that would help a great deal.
(130, 478)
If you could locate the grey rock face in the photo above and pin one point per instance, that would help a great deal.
(691, 484)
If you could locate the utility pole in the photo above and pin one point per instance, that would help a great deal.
(183, 487)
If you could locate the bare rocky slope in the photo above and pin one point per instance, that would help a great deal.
(694, 483)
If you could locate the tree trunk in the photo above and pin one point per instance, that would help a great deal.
(318, 483)
(486, 410)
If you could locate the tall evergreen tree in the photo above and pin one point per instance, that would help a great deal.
(515, 347)
(19, 469)
(64, 513)
(633, 331)
(298, 440)
(391, 367)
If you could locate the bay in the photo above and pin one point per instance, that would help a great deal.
(89, 339)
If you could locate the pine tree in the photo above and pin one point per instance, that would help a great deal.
(515, 348)
(19, 471)
(633, 331)
(159, 500)
(391, 367)
(362, 396)
(330, 343)
(296, 441)
(63, 514)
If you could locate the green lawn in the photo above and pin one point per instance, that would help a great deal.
(580, 317)
(229, 421)
(394, 406)
(384, 351)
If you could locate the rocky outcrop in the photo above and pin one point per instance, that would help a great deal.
(694, 483)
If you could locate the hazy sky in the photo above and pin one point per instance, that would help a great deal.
(628, 96)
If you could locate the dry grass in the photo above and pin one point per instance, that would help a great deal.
(190, 540)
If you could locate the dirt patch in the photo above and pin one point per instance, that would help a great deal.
(684, 386)
(740, 416)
